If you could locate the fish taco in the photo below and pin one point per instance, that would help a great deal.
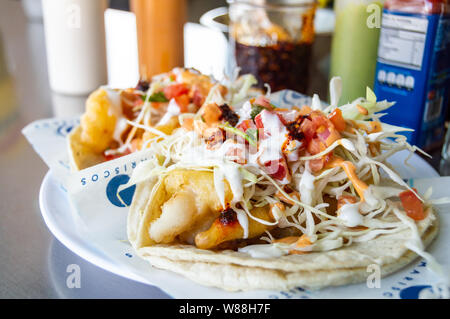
(113, 121)
(264, 197)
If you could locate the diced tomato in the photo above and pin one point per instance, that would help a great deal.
(287, 116)
(245, 125)
(319, 120)
(114, 156)
(264, 102)
(324, 128)
(276, 169)
(198, 98)
(317, 164)
(175, 90)
(308, 129)
(412, 205)
(315, 146)
(305, 110)
(260, 126)
(258, 121)
(323, 133)
(183, 102)
(333, 137)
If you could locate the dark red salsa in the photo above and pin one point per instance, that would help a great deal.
(282, 66)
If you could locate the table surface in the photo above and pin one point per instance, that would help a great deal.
(33, 263)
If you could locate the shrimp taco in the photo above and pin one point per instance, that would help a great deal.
(263, 197)
(111, 126)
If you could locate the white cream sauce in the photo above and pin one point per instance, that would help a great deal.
(219, 185)
(173, 109)
(263, 251)
(350, 215)
(116, 110)
(306, 186)
(245, 111)
(270, 147)
(234, 178)
(243, 221)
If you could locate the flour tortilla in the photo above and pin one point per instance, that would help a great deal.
(80, 155)
(235, 271)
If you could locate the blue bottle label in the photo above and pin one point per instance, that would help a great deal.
(413, 69)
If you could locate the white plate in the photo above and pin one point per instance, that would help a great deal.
(117, 256)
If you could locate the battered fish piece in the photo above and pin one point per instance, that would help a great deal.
(187, 203)
(227, 227)
(98, 122)
(191, 212)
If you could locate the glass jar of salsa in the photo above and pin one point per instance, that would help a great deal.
(273, 41)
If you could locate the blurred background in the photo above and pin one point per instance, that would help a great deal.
(53, 53)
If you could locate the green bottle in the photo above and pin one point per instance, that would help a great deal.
(355, 45)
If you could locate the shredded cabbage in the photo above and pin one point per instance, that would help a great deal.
(303, 202)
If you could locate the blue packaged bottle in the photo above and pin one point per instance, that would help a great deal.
(413, 67)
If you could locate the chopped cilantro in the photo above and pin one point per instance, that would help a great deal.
(250, 136)
(156, 97)
(256, 109)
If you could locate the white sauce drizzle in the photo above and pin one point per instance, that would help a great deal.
(116, 110)
(173, 109)
(243, 221)
(270, 146)
(244, 112)
(350, 215)
(234, 178)
(263, 251)
(306, 186)
(219, 185)
(115, 100)
(121, 125)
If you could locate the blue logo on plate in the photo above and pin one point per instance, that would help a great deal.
(412, 292)
(126, 195)
(64, 129)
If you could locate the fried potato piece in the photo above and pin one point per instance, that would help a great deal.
(226, 227)
(98, 122)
